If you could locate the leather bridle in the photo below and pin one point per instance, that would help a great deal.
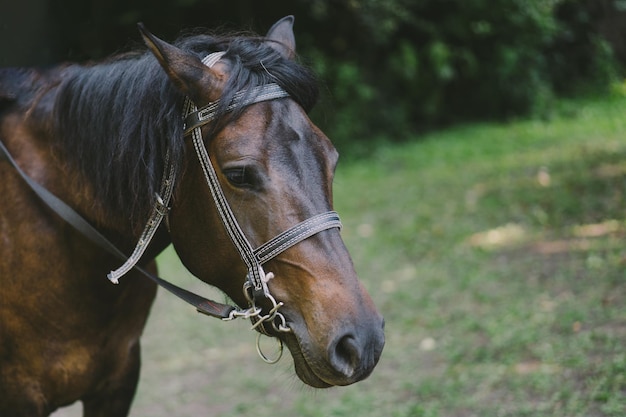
(255, 286)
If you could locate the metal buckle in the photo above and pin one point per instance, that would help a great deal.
(160, 206)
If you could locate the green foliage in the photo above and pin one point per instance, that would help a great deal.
(430, 62)
(394, 67)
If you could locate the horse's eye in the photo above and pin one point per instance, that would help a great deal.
(241, 177)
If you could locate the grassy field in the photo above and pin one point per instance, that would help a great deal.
(497, 254)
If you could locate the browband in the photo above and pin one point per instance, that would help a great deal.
(242, 98)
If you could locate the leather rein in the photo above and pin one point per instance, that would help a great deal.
(255, 286)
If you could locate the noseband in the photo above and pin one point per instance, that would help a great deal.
(255, 287)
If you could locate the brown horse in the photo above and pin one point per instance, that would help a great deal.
(101, 137)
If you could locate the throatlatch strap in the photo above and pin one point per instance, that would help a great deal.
(159, 211)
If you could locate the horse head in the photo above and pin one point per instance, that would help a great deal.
(275, 168)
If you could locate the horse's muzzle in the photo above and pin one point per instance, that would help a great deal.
(348, 358)
(354, 355)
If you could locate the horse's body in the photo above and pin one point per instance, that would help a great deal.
(95, 136)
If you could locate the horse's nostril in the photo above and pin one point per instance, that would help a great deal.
(345, 355)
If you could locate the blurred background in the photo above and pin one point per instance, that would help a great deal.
(482, 187)
(419, 63)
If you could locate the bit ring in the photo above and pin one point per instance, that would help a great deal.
(263, 356)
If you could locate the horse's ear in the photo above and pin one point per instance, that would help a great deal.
(185, 70)
(281, 37)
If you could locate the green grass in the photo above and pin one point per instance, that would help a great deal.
(497, 254)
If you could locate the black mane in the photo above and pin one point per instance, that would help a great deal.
(116, 119)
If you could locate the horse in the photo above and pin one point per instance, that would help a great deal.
(210, 133)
